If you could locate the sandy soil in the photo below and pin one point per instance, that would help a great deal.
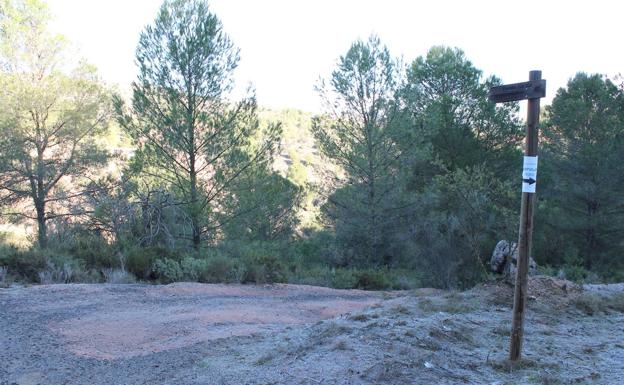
(188, 333)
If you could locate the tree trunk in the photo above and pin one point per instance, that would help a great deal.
(194, 209)
(42, 234)
(39, 195)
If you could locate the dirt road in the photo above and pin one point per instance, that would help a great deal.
(285, 334)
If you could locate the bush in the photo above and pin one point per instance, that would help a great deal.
(263, 269)
(220, 268)
(372, 280)
(117, 276)
(318, 249)
(575, 273)
(93, 251)
(594, 303)
(212, 269)
(193, 268)
(22, 264)
(140, 260)
(323, 275)
(60, 268)
(4, 277)
(344, 279)
(167, 270)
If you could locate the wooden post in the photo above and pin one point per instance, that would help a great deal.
(526, 229)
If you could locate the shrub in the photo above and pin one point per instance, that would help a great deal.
(212, 269)
(575, 273)
(372, 280)
(167, 270)
(220, 268)
(117, 276)
(4, 277)
(93, 251)
(193, 268)
(22, 264)
(263, 269)
(62, 269)
(344, 279)
(140, 260)
(594, 303)
(317, 275)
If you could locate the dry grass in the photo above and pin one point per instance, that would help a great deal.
(265, 358)
(504, 331)
(4, 274)
(595, 304)
(400, 309)
(359, 317)
(522, 364)
(452, 335)
(452, 304)
(117, 276)
(341, 345)
(333, 330)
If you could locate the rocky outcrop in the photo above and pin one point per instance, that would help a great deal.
(505, 259)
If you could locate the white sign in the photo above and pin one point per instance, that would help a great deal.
(529, 174)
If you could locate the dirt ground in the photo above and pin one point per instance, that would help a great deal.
(188, 333)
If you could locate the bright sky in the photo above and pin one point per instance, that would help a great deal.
(286, 45)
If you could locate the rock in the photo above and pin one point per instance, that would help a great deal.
(499, 256)
(505, 259)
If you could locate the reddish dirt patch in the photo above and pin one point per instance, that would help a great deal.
(112, 324)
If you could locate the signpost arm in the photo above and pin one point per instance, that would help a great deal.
(526, 229)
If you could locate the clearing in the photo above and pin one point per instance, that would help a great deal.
(188, 333)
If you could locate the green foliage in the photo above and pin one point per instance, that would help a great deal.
(263, 268)
(359, 135)
(408, 179)
(581, 205)
(167, 270)
(595, 304)
(414, 152)
(190, 139)
(461, 216)
(22, 264)
(212, 269)
(372, 280)
(353, 278)
(50, 118)
(90, 250)
(141, 260)
(447, 97)
(45, 266)
(263, 207)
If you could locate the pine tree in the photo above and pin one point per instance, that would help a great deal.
(584, 150)
(191, 138)
(360, 134)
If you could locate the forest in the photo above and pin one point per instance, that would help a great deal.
(408, 178)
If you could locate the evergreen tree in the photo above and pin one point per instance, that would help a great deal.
(447, 97)
(583, 202)
(360, 134)
(469, 152)
(190, 137)
(50, 118)
(263, 207)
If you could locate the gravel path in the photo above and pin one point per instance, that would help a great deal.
(285, 334)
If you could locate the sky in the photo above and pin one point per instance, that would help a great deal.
(286, 46)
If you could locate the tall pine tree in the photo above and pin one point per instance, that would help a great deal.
(584, 151)
(191, 138)
(360, 133)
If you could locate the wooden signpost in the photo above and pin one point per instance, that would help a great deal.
(532, 90)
